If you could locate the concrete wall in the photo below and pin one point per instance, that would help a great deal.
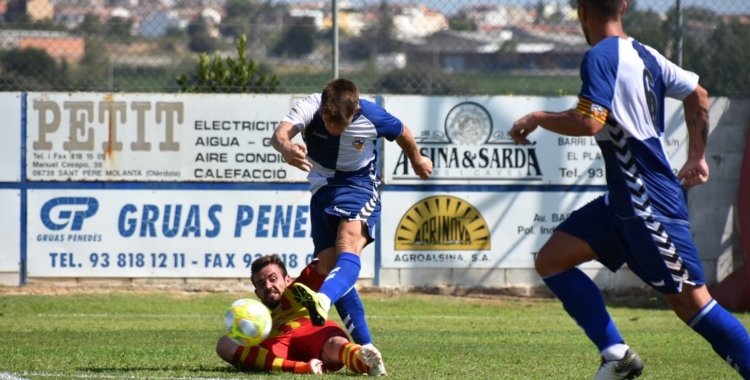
(713, 206)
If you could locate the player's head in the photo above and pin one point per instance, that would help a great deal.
(600, 10)
(338, 105)
(270, 278)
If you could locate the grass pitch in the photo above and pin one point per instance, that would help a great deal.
(172, 336)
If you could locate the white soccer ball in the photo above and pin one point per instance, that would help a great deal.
(247, 322)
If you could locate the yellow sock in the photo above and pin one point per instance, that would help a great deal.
(349, 355)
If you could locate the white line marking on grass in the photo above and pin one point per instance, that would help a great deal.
(9, 376)
(102, 376)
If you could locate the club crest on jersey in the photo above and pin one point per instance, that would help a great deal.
(597, 111)
(359, 143)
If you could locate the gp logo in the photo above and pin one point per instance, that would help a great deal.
(58, 213)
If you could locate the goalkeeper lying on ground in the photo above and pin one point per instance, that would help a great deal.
(294, 344)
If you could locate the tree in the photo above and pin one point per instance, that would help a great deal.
(701, 17)
(29, 62)
(299, 38)
(95, 65)
(32, 69)
(245, 17)
(118, 27)
(16, 12)
(173, 39)
(462, 23)
(200, 40)
(722, 60)
(539, 8)
(240, 17)
(229, 76)
(355, 48)
(90, 26)
(644, 26)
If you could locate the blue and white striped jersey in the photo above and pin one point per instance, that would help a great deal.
(624, 86)
(349, 159)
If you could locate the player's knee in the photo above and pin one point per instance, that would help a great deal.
(347, 246)
(350, 243)
(331, 349)
(689, 302)
(543, 265)
(562, 252)
(351, 237)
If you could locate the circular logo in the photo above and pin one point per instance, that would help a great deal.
(468, 124)
(444, 223)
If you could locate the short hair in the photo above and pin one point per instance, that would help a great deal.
(604, 8)
(339, 100)
(265, 261)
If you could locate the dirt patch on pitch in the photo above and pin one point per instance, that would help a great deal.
(496, 296)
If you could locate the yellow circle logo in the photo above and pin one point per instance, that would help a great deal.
(442, 223)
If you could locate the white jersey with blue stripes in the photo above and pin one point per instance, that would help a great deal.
(624, 85)
(349, 159)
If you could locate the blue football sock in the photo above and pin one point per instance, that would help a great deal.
(727, 336)
(583, 301)
(342, 278)
(352, 313)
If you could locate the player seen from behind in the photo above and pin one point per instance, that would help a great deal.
(642, 220)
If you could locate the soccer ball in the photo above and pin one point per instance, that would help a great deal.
(247, 322)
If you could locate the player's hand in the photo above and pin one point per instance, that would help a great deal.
(522, 128)
(422, 167)
(693, 173)
(296, 155)
(316, 367)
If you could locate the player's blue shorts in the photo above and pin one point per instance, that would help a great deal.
(330, 204)
(661, 253)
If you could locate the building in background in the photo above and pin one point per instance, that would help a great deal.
(59, 45)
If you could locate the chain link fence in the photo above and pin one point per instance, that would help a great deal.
(427, 47)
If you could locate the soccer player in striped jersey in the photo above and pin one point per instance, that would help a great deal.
(294, 344)
(340, 132)
(642, 220)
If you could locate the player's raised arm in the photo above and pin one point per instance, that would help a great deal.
(422, 165)
(573, 122)
(695, 170)
(294, 153)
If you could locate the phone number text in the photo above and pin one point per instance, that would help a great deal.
(168, 260)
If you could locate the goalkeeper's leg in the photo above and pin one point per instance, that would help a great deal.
(258, 358)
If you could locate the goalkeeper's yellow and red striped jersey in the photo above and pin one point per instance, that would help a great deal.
(291, 314)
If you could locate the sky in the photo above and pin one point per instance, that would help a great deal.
(449, 7)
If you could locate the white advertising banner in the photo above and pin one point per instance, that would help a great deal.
(469, 143)
(10, 234)
(156, 137)
(167, 233)
(10, 144)
(472, 229)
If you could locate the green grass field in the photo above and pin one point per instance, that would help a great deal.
(172, 336)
